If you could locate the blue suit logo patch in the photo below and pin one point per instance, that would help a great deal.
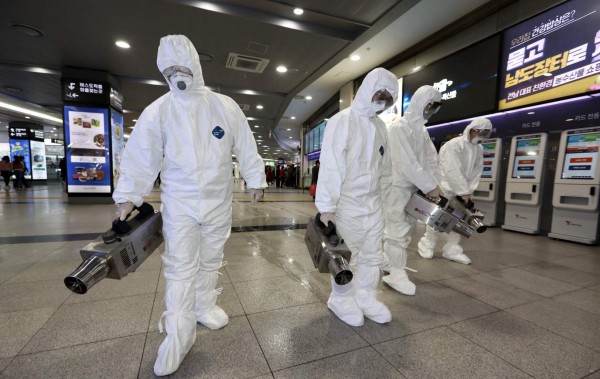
(381, 150)
(218, 132)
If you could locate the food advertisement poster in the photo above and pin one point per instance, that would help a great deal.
(88, 163)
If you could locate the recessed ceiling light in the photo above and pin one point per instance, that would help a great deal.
(134, 120)
(293, 118)
(355, 57)
(416, 68)
(298, 11)
(256, 126)
(29, 30)
(259, 107)
(308, 97)
(289, 137)
(122, 44)
(288, 129)
(27, 117)
(341, 101)
(530, 112)
(281, 69)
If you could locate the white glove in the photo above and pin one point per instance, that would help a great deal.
(256, 194)
(123, 209)
(326, 217)
(467, 198)
(435, 193)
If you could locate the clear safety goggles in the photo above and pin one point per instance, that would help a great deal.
(483, 133)
(433, 107)
(383, 96)
(170, 71)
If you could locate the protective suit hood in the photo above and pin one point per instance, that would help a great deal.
(377, 79)
(478, 123)
(423, 96)
(178, 50)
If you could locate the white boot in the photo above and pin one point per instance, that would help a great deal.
(399, 281)
(385, 267)
(455, 253)
(208, 313)
(343, 305)
(427, 243)
(180, 325)
(367, 279)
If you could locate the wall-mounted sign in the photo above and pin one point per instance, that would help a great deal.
(18, 133)
(116, 99)
(467, 89)
(37, 135)
(553, 55)
(85, 91)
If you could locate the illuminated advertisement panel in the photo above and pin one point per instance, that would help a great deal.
(553, 55)
(527, 155)
(581, 155)
(88, 163)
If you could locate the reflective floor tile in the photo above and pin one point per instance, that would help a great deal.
(565, 274)
(536, 351)
(115, 358)
(362, 363)
(301, 334)
(74, 324)
(17, 328)
(25, 296)
(531, 282)
(585, 299)
(441, 353)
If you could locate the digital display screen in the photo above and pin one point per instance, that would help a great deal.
(88, 163)
(313, 139)
(552, 55)
(20, 148)
(467, 89)
(527, 155)
(581, 155)
(38, 154)
(489, 158)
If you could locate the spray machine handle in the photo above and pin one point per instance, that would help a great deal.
(122, 227)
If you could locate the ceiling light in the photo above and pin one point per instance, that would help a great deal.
(256, 126)
(288, 129)
(308, 97)
(355, 57)
(29, 112)
(281, 69)
(416, 68)
(134, 120)
(27, 117)
(298, 11)
(259, 107)
(293, 118)
(530, 112)
(29, 30)
(341, 101)
(122, 44)
(289, 137)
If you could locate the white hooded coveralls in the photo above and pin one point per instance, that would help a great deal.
(189, 136)
(415, 166)
(355, 174)
(460, 164)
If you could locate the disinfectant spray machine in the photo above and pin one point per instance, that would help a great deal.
(328, 251)
(446, 216)
(118, 251)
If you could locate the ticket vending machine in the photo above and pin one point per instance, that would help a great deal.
(486, 194)
(524, 183)
(577, 186)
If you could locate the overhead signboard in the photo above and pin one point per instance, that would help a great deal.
(467, 89)
(85, 92)
(553, 55)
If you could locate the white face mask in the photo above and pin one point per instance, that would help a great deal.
(378, 106)
(181, 81)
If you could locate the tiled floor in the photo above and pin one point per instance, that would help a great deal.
(528, 306)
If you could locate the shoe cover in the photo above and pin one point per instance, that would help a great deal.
(367, 279)
(399, 281)
(208, 313)
(343, 305)
(180, 325)
(455, 253)
(425, 248)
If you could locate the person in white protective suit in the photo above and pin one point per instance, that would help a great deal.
(354, 177)
(189, 136)
(461, 163)
(415, 166)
